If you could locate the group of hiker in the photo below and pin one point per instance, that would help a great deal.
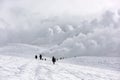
(40, 56)
(53, 58)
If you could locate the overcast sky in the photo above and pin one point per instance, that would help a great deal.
(59, 7)
(26, 15)
(59, 22)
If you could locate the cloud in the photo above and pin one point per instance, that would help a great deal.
(61, 22)
(100, 39)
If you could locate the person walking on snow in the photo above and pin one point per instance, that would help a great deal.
(35, 56)
(53, 60)
(40, 57)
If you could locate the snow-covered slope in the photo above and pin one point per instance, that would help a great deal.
(22, 50)
(112, 63)
(26, 50)
(14, 68)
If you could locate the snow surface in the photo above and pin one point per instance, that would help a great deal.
(22, 50)
(15, 68)
(111, 63)
(58, 28)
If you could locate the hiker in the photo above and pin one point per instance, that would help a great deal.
(35, 56)
(45, 59)
(53, 60)
(60, 58)
(40, 57)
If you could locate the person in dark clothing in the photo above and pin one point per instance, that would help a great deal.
(35, 56)
(40, 57)
(53, 60)
(60, 58)
(45, 59)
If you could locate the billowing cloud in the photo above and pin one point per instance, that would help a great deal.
(84, 27)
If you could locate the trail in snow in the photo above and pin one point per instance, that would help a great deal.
(29, 69)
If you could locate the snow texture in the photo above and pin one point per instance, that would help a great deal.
(14, 68)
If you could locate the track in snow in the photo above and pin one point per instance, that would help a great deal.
(22, 69)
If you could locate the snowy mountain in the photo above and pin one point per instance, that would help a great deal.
(14, 68)
(82, 35)
(22, 50)
(110, 63)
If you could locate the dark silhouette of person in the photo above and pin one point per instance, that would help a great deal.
(60, 58)
(40, 57)
(53, 60)
(35, 56)
(45, 59)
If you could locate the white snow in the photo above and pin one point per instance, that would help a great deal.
(85, 33)
(15, 68)
(22, 50)
(111, 63)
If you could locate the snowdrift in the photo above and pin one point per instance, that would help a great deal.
(112, 63)
(15, 68)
